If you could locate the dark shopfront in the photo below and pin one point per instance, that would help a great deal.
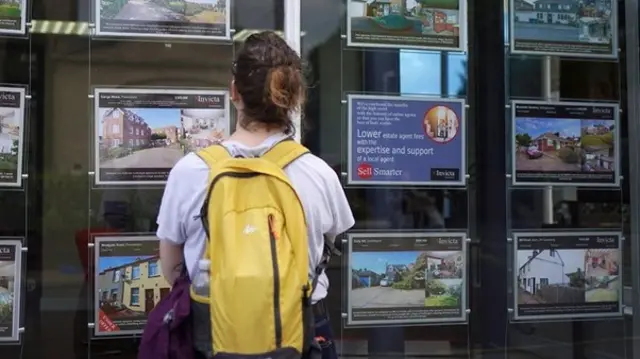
(522, 245)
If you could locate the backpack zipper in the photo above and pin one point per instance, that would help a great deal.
(276, 282)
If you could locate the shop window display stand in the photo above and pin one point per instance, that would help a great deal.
(138, 230)
(551, 95)
(381, 79)
(14, 243)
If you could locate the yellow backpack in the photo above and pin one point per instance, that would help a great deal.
(257, 241)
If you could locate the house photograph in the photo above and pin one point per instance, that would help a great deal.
(445, 265)
(185, 11)
(547, 144)
(597, 139)
(551, 276)
(203, 127)
(406, 279)
(129, 286)
(139, 137)
(10, 123)
(567, 21)
(409, 18)
(568, 276)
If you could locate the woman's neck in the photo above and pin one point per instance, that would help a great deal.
(252, 136)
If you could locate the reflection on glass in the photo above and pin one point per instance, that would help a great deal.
(408, 208)
(457, 74)
(572, 208)
(422, 72)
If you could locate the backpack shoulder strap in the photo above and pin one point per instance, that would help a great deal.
(285, 152)
(213, 154)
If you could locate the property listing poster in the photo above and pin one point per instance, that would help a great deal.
(10, 292)
(141, 133)
(13, 17)
(406, 141)
(187, 19)
(567, 275)
(12, 112)
(577, 28)
(419, 24)
(128, 283)
(565, 143)
(406, 278)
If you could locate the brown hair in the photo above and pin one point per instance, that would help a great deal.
(268, 76)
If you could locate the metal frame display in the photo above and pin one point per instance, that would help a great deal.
(432, 20)
(134, 252)
(445, 240)
(159, 29)
(16, 295)
(562, 47)
(428, 110)
(574, 178)
(632, 61)
(576, 307)
(151, 99)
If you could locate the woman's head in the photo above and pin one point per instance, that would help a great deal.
(268, 83)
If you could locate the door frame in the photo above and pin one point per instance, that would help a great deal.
(293, 34)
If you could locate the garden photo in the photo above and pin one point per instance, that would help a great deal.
(406, 279)
(7, 282)
(10, 123)
(11, 8)
(597, 144)
(602, 289)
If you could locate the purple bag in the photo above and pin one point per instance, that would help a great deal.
(168, 333)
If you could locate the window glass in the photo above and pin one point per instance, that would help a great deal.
(153, 269)
(135, 272)
(135, 296)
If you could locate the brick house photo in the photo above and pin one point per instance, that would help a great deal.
(139, 137)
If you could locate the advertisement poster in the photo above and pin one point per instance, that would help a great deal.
(397, 140)
(406, 278)
(12, 112)
(417, 24)
(141, 133)
(186, 19)
(13, 17)
(565, 143)
(128, 283)
(10, 279)
(577, 28)
(567, 275)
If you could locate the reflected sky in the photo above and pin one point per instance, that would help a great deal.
(421, 71)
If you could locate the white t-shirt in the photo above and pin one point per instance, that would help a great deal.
(326, 208)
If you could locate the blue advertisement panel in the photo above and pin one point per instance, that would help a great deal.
(395, 140)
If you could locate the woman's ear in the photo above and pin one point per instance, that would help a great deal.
(235, 95)
(233, 91)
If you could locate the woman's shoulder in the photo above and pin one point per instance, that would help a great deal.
(189, 164)
(312, 174)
